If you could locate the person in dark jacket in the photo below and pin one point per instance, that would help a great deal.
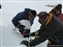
(27, 14)
(56, 11)
(52, 29)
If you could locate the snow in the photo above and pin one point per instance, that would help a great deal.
(10, 38)
(30, 0)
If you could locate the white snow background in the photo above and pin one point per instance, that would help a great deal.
(10, 38)
(32, 0)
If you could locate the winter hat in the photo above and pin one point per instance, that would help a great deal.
(33, 12)
(42, 15)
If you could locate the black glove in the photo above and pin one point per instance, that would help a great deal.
(27, 31)
(21, 26)
(26, 35)
(29, 35)
(25, 42)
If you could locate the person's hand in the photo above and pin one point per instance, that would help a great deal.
(26, 35)
(25, 43)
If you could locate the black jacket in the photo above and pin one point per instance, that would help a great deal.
(53, 28)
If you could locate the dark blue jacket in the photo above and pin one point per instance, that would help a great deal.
(21, 16)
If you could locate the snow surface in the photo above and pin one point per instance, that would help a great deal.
(10, 38)
(32, 0)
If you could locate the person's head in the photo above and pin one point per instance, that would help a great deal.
(57, 10)
(43, 16)
(32, 14)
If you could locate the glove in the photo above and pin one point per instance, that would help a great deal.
(27, 31)
(26, 35)
(22, 32)
(21, 27)
(25, 43)
(29, 34)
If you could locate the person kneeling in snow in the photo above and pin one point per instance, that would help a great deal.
(56, 11)
(27, 14)
(52, 29)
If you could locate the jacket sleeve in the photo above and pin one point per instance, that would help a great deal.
(49, 31)
(17, 18)
(38, 32)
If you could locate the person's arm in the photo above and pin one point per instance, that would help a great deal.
(36, 33)
(17, 18)
(45, 35)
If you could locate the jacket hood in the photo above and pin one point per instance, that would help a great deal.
(27, 9)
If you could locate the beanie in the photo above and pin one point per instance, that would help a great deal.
(42, 15)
